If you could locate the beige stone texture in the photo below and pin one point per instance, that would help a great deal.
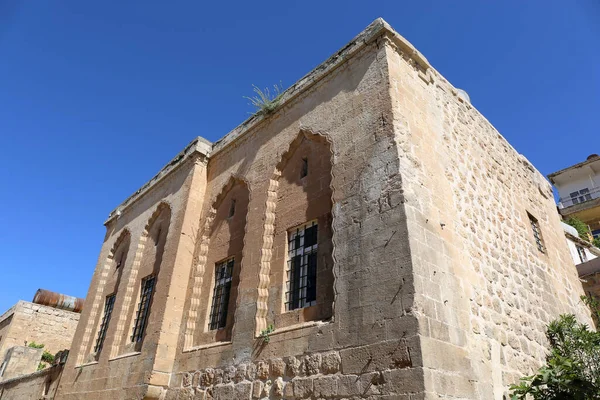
(27, 322)
(40, 385)
(430, 284)
(20, 360)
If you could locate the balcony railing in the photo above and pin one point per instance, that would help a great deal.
(581, 198)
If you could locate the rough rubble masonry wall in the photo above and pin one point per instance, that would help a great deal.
(484, 292)
(438, 288)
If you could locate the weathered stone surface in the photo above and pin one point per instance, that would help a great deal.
(326, 387)
(257, 389)
(243, 390)
(262, 370)
(312, 364)
(330, 363)
(277, 367)
(278, 386)
(303, 387)
(294, 367)
(423, 215)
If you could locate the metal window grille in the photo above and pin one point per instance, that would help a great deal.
(581, 196)
(301, 286)
(537, 235)
(108, 308)
(141, 316)
(220, 299)
(581, 252)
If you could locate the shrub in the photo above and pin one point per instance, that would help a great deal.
(596, 242)
(35, 345)
(580, 226)
(572, 369)
(41, 366)
(264, 101)
(48, 357)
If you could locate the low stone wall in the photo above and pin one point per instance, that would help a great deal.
(20, 360)
(317, 376)
(39, 385)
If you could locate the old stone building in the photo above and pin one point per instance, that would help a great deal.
(50, 320)
(31, 322)
(372, 237)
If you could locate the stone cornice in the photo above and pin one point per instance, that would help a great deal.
(199, 148)
(371, 33)
(377, 29)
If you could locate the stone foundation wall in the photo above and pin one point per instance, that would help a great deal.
(328, 375)
(39, 385)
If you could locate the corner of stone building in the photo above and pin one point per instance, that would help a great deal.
(466, 193)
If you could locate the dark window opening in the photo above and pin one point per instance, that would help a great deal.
(581, 196)
(108, 308)
(141, 316)
(304, 170)
(232, 209)
(302, 267)
(537, 233)
(120, 262)
(581, 253)
(157, 238)
(221, 292)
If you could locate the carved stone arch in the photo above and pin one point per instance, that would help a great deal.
(269, 228)
(130, 289)
(201, 257)
(92, 323)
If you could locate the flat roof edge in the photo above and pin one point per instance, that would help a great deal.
(197, 146)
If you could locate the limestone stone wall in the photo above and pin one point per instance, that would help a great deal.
(38, 385)
(341, 122)
(20, 360)
(431, 284)
(38, 323)
(484, 292)
(157, 216)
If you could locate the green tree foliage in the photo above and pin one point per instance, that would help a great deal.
(572, 370)
(596, 242)
(582, 228)
(48, 357)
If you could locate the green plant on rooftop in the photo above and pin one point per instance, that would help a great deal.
(47, 357)
(35, 345)
(581, 227)
(265, 102)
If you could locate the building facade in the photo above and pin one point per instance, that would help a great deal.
(372, 237)
(581, 250)
(579, 192)
(28, 322)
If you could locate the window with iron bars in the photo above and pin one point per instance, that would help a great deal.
(141, 316)
(301, 285)
(108, 308)
(220, 299)
(537, 233)
(581, 253)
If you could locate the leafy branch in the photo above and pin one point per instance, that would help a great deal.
(264, 334)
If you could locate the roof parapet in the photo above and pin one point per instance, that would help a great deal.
(199, 146)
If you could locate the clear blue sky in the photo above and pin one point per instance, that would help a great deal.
(95, 97)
